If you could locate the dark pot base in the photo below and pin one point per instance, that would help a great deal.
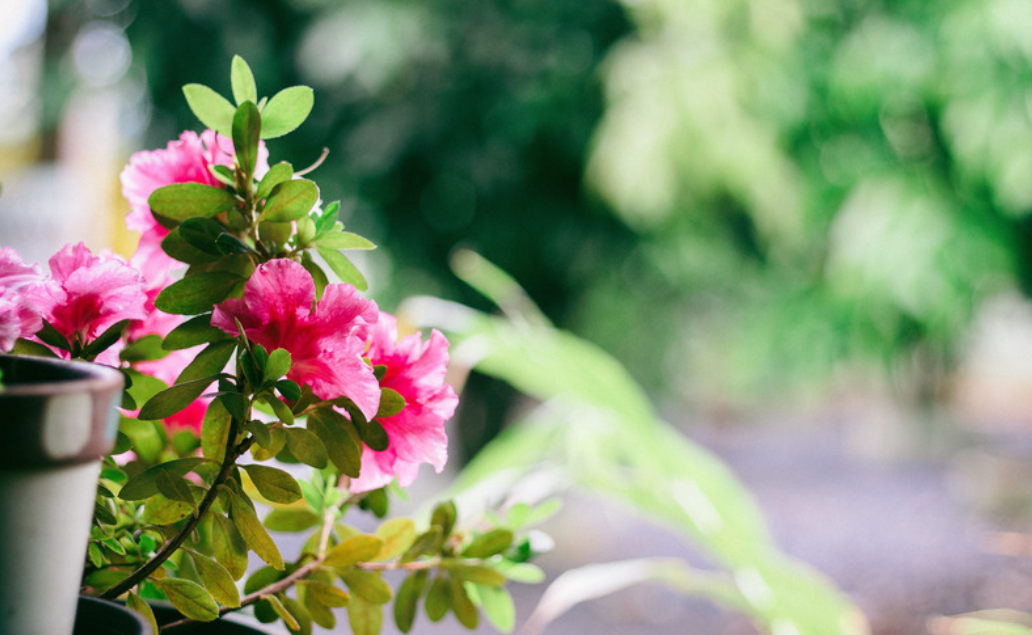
(101, 617)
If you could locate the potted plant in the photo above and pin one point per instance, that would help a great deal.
(242, 334)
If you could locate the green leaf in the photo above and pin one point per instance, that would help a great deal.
(290, 200)
(216, 579)
(197, 293)
(247, 125)
(277, 366)
(209, 362)
(104, 341)
(174, 488)
(489, 544)
(476, 573)
(211, 108)
(281, 409)
(242, 78)
(253, 533)
(159, 510)
(273, 483)
(215, 431)
(229, 546)
(276, 445)
(300, 613)
(306, 447)
(365, 618)
(289, 389)
(145, 484)
(408, 600)
(282, 611)
(33, 349)
(135, 603)
(341, 447)
(287, 110)
(498, 607)
(463, 607)
(344, 240)
(228, 245)
(327, 594)
(372, 434)
(147, 348)
(397, 534)
(438, 599)
(261, 579)
(341, 266)
(444, 516)
(319, 612)
(291, 520)
(176, 247)
(318, 275)
(391, 403)
(202, 233)
(279, 173)
(180, 201)
(50, 335)
(194, 332)
(425, 544)
(327, 219)
(367, 585)
(172, 400)
(352, 550)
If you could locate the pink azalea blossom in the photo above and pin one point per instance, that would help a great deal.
(18, 318)
(86, 294)
(186, 160)
(326, 339)
(416, 370)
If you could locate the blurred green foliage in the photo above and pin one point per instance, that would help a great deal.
(730, 196)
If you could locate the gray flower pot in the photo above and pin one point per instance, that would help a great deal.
(58, 419)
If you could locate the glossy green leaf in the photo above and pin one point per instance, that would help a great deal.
(327, 220)
(365, 618)
(274, 484)
(290, 200)
(327, 594)
(179, 249)
(242, 80)
(209, 362)
(287, 110)
(171, 400)
(367, 585)
(104, 341)
(341, 266)
(253, 533)
(50, 335)
(463, 607)
(201, 233)
(215, 429)
(137, 604)
(280, 409)
(372, 433)
(344, 240)
(391, 403)
(407, 601)
(341, 447)
(146, 348)
(198, 293)
(194, 332)
(247, 124)
(398, 534)
(261, 579)
(145, 484)
(306, 447)
(216, 579)
(34, 349)
(352, 550)
(489, 544)
(228, 244)
(174, 487)
(228, 546)
(289, 389)
(279, 173)
(476, 573)
(287, 617)
(278, 365)
(211, 108)
(180, 201)
(438, 599)
(159, 510)
(276, 445)
(498, 607)
(291, 520)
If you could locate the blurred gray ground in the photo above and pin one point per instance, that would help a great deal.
(891, 533)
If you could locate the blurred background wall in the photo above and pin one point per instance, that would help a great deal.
(749, 203)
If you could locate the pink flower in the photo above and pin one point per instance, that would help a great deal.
(186, 160)
(325, 339)
(86, 294)
(18, 318)
(416, 370)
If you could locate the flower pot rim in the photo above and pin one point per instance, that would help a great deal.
(77, 376)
